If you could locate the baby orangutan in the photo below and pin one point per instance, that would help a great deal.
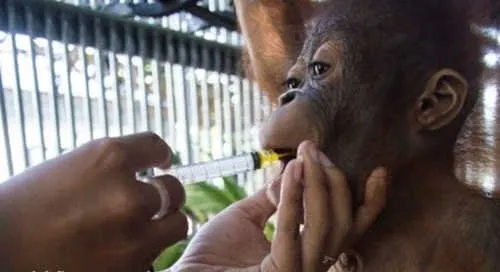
(382, 82)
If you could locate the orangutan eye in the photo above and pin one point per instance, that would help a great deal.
(318, 68)
(292, 83)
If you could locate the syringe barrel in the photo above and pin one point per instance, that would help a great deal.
(214, 169)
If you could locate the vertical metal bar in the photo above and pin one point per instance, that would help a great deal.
(99, 75)
(142, 82)
(218, 137)
(206, 99)
(159, 118)
(70, 107)
(129, 78)
(171, 109)
(183, 112)
(257, 108)
(247, 115)
(36, 90)
(217, 89)
(113, 73)
(186, 150)
(247, 126)
(228, 128)
(237, 117)
(226, 97)
(267, 108)
(83, 57)
(17, 86)
(205, 106)
(54, 99)
(212, 31)
(5, 129)
(250, 178)
(194, 128)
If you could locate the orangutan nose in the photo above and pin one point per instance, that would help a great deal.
(289, 96)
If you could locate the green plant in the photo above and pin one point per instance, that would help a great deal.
(170, 255)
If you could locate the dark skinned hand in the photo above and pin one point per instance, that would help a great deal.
(85, 210)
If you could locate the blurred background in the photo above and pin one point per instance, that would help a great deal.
(75, 73)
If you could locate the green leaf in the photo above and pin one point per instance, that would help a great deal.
(193, 215)
(206, 199)
(233, 191)
(176, 158)
(169, 256)
(269, 231)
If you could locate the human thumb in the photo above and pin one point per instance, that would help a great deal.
(258, 208)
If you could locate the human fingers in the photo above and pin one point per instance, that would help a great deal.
(340, 211)
(162, 233)
(162, 194)
(273, 191)
(316, 205)
(274, 187)
(145, 246)
(374, 201)
(285, 248)
(273, 194)
(135, 152)
(258, 208)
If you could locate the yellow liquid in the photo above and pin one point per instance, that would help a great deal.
(268, 157)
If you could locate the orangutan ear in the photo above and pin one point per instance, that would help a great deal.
(441, 100)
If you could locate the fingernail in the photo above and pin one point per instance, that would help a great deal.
(323, 159)
(300, 152)
(313, 152)
(310, 149)
(299, 158)
(298, 170)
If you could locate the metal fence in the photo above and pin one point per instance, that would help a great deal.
(70, 74)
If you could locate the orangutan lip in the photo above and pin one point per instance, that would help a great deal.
(286, 153)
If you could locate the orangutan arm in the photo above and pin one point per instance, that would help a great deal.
(274, 33)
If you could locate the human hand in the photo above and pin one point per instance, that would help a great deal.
(85, 210)
(312, 186)
(362, 217)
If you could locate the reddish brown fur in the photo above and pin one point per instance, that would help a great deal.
(267, 58)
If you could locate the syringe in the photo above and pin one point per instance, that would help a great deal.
(224, 167)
